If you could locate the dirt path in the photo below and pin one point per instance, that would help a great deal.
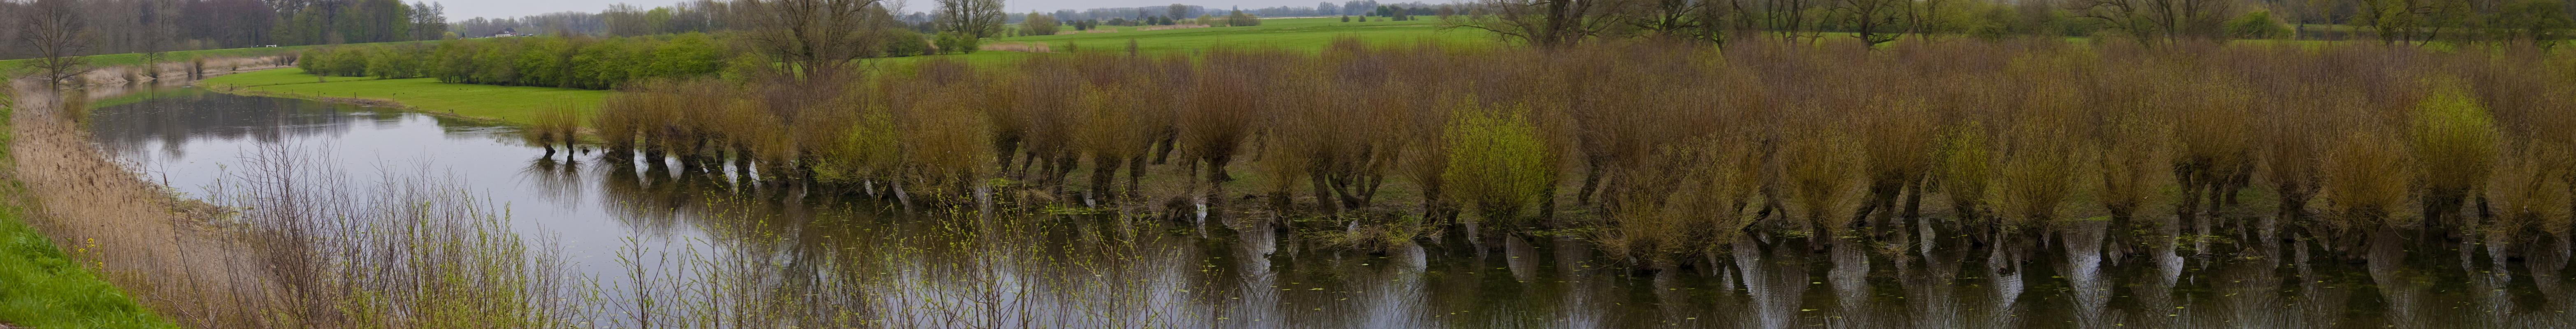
(160, 249)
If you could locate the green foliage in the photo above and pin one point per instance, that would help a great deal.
(1039, 24)
(2256, 25)
(2541, 22)
(2453, 132)
(530, 61)
(1966, 162)
(1238, 18)
(906, 43)
(958, 43)
(1498, 160)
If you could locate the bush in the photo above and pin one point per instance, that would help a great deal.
(2363, 179)
(533, 61)
(905, 43)
(2452, 132)
(1498, 161)
(957, 43)
(2256, 25)
(1038, 24)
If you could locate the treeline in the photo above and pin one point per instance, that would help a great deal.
(567, 62)
(1670, 149)
(146, 26)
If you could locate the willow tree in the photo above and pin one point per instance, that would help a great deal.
(978, 18)
(815, 38)
(1544, 23)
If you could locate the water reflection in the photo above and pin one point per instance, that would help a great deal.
(671, 244)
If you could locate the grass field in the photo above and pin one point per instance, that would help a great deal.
(515, 105)
(42, 287)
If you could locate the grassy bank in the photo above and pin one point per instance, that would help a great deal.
(514, 105)
(41, 286)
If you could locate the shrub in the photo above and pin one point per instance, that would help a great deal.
(2530, 190)
(903, 43)
(2451, 131)
(957, 43)
(2364, 180)
(1967, 162)
(558, 124)
(1037, 24)
(2034, 178)
(1821, 174)
(1497, 161)
(2256, 25)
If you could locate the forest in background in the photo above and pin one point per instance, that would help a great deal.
(147, 26)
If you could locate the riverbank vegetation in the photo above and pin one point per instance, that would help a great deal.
(41, 285)
(1838, 141)
(566, 62)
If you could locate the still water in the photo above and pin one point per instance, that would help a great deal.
(641, 231)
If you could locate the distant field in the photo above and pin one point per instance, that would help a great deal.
(515, 105)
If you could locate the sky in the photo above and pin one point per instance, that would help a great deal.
(465, 9)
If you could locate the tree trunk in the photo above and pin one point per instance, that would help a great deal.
(1104, 174)
(1324, 202)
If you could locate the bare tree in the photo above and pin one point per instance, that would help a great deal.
(1871, 18)
(815, 38)
(2151, 21)
(1707, 20)
(1791, 20)
(1544, 23)
(58, 33)
(978, 18)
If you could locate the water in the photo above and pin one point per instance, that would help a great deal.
(849, 254)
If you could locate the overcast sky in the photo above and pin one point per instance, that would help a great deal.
(464, 9)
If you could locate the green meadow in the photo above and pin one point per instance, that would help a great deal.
(506, 104)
